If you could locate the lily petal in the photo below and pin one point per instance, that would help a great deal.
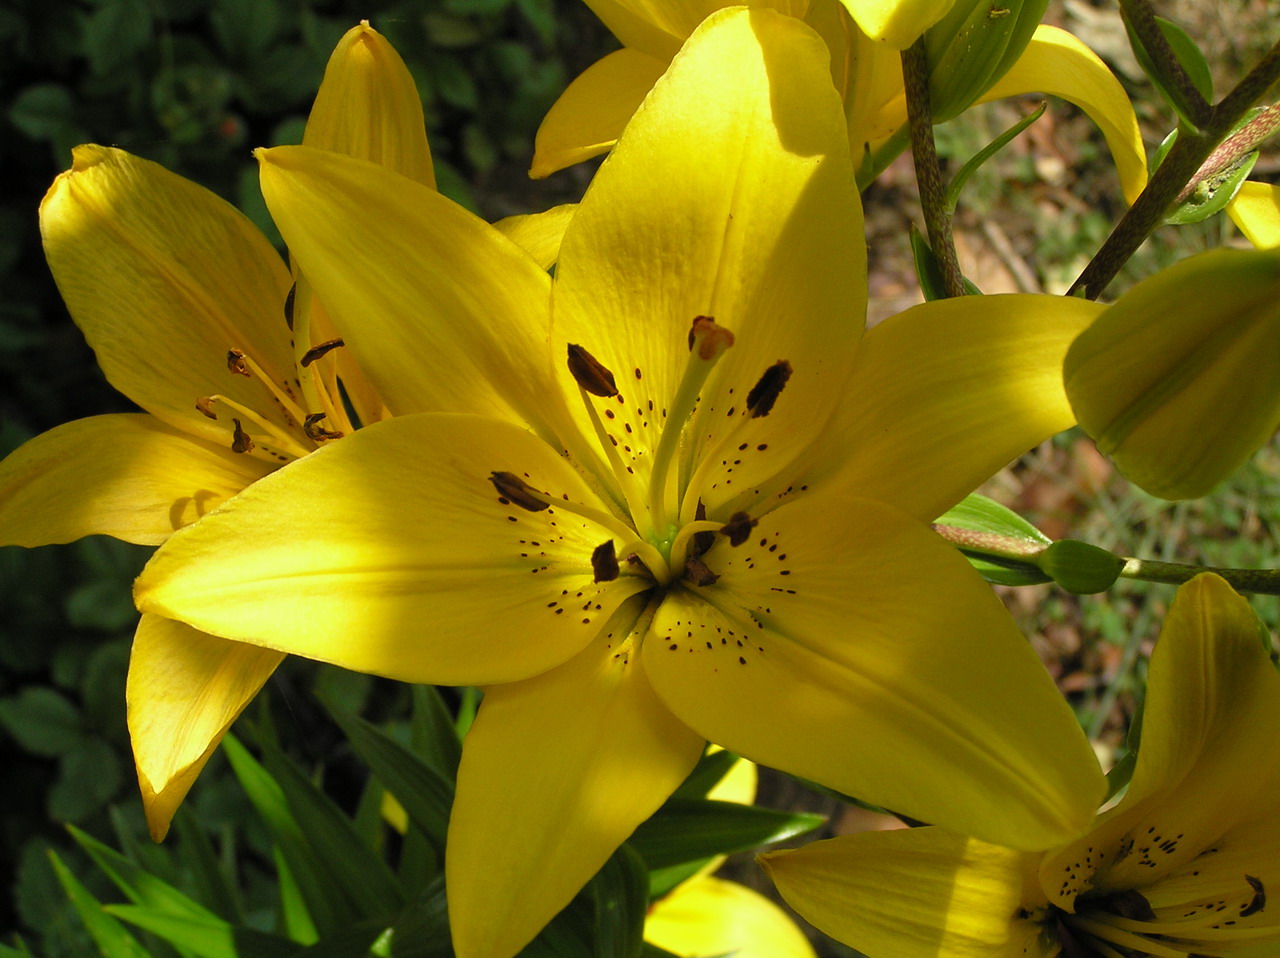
(396, 535)
(815, 654)
(764, 236)
(897, 23)
(127, 475)
(442, 311)
(1058, 64)
(1210, 750)
(185, 689)
(659, 27)
(909, 893)
(708, 916)
(947, 393)
(1256, 211)
(368, 106)
(539, 234)
(1177, 380)
(163, 278)
(546, 791)
(589, 115)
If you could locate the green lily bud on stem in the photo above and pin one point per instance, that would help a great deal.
(1177, 382)
(1080, 568)
(973, 46)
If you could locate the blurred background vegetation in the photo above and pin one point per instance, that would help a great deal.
(195, 84)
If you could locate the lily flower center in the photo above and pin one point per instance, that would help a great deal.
(660, 526)
(294, 413)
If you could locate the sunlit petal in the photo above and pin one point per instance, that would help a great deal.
(589, 115)
(556, 772)
(539, 234)
(390, 551)
(368, 107)
(185, 689)
(707, 917)
(764, 236)
(897, 23)
(127, 475)
(658, 27)
(947, 393)
(846, 643)
(442, 311)
(1057, 63)
(1256, 211)
(163, 278)
(910, 893)
(1210, 748)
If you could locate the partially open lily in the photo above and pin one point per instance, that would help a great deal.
(1181, 866)
(193, 315)
(681, 496)
(593, 110)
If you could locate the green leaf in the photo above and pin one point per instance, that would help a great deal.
(422, 928)
(294, 916)
(425, 795)
(115, 33)
(683, 830)
(326, 905)
(344, 860)
(929, 270)
(43, 111)
(1079, 567)
(203, 937)
(662, 881)
(1188, 55)
(140, 886)
(1212, 194)
(88, 777)
(986, 153)
(42, 721)
(214, 886)
(432, 732)
(110, 936)
(621, 894)
(997, 541)
(712, 767)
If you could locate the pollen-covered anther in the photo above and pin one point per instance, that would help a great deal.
(236, 363)
(738, 528)
(288, 305)
(702, 541)
(205, 405)
(696, 571)
(318, 350)
(1259, 900)
(710, 338)
(316, 432)
(516, 490)
(590, 374)
(766, 392)
(240, 441)
(604, 562)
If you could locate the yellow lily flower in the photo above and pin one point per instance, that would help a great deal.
(1177, 380)
(588, 117)
(188, 309)
(1180, 866)
(681, 496)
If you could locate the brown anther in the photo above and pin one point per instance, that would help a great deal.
(205, 405)
(1129, 904)
(696, 571)
(604, 562)
(240, 441)
(711, 339)
(512, 487)
(765, 393)
(318, 350)
(702, 541)
(1259, 901)
(316, 432)
(288, 305)
(236, 363)
(738, 528)
(590, 374)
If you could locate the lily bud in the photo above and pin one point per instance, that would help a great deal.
(1177, 382)
(368, 107)
(973, 46)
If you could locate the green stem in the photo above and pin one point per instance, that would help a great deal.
(1179, 167)
(1141, 19)
(933, 196)
(1255, 581)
